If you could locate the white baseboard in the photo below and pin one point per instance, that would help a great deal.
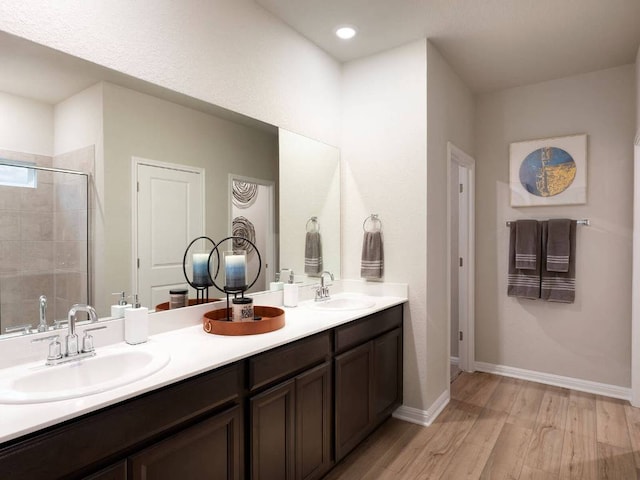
(604, 389)
(423, 417)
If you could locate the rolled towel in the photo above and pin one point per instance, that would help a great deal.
(372, 266)
(558, 245)
(559, 286)
(527, 244)
(313, 254)
(522, 283)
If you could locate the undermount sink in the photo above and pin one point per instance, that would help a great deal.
(111, 367)
(342, 302)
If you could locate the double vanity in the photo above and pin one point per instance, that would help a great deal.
(187, 404)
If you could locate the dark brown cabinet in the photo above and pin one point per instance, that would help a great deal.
(387, 376)
(272, 433)
(288, 413)
(368, 377)
(90, 443)
(313, 423)
(117, 471)
(291, 420)
(354, 394)
(210, 449)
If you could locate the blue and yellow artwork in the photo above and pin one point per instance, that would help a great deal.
(547, 171)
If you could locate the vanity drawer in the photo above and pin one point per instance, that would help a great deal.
(120, 429)
(360, 331)
(287, 360)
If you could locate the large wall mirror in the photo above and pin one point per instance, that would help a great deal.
(127, 134)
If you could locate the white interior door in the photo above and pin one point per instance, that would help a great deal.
(256, 220)
(170, 214)
(463, 267)
(462, 300)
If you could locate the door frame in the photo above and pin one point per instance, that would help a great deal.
(269, 257)
(635, 281)
(135, 162)
(456, 157)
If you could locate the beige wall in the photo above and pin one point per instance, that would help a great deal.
(450, 114)
(589, 339)
(231, 53)
(384, 170)
(26, 125)
(394, 150)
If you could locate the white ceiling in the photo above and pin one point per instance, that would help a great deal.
(491, 44)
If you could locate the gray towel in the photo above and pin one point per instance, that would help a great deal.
(372, 266)
(559, 286)
(313, 254)
(522, 283)
(527, 244)
(558, 245)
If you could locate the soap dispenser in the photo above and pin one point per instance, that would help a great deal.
(290, 294)
(278, 284)
(117, 311)
(136, 323)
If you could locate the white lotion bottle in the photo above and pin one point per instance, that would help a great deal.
(117, 311)
(136, 323)
(290, 293)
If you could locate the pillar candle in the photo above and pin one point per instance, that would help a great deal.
(235, 271)
(201, 270)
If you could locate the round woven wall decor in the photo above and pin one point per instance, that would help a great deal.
(244, 194)
(242, 227)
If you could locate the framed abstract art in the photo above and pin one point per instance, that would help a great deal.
(550, 171)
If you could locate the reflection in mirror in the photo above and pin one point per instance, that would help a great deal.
(309, 204)
(138, 125)
(43, 238)
(52, 104)
(253, 218)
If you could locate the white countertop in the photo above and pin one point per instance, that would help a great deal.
(192, 352)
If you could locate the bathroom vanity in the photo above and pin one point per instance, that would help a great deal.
(287, 405)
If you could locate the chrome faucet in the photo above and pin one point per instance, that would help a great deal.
(322, 292)
(72, 352)
(72, 338)
(42, 327)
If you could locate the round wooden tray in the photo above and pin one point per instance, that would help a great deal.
(192, 301)
(216, 322)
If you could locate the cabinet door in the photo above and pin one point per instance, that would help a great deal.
(209, 449)
(353, 397)
(387, 377)
(272, 433)
(313, 423)
(117, 471)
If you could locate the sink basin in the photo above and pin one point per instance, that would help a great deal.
(343, 302)
(111, 367)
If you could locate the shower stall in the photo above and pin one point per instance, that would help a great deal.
(44, 242)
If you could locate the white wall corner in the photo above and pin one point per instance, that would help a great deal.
(423, 417)
(613, 391)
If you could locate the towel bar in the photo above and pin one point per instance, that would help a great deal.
(315, 225)
(375, 221)
(586, 222)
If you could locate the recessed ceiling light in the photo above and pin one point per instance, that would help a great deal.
(346, 32)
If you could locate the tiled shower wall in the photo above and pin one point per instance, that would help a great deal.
(43, 239)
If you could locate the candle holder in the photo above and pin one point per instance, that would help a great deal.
(201, 278)
(235, 268)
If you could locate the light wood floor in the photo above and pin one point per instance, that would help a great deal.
(503, 428)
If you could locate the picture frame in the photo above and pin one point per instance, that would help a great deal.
(548, 171)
